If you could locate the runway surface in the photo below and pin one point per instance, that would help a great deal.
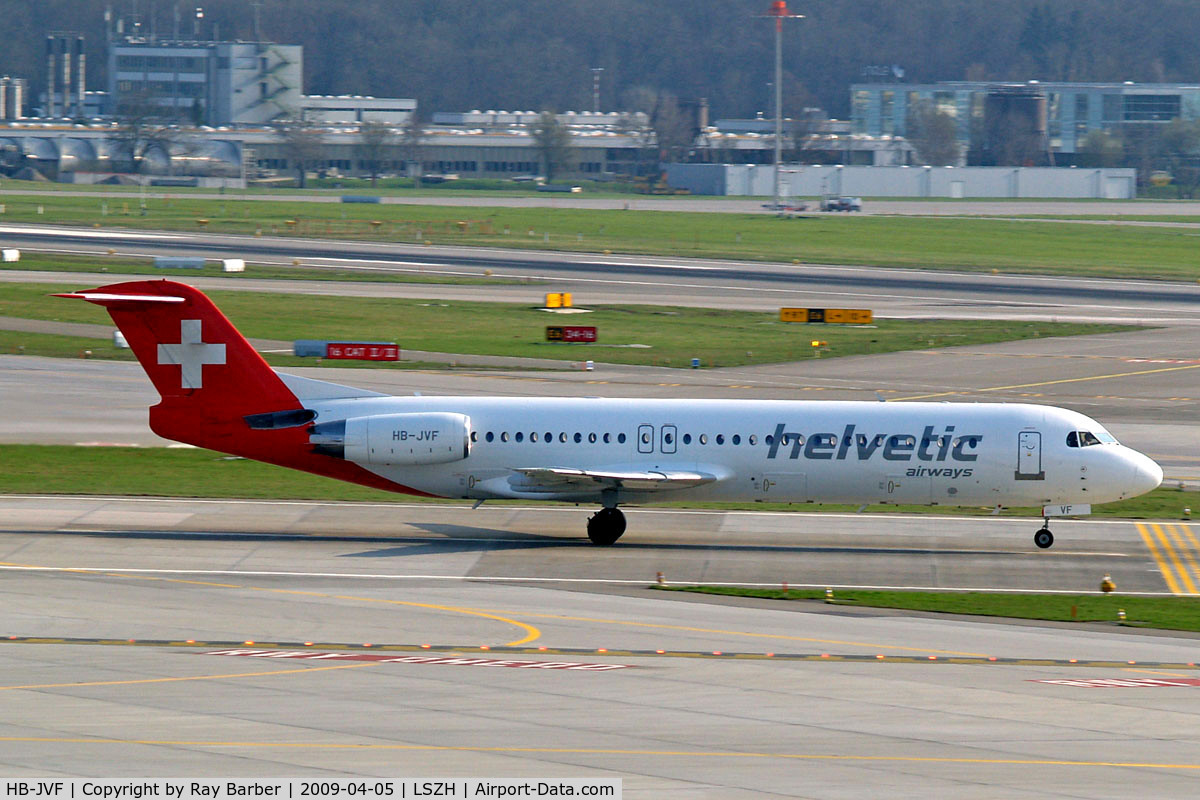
(906, 704)
(596, 278)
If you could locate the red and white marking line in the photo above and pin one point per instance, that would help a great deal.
(458, 661)
(1124, 683)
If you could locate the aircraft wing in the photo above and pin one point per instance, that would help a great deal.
(557, 479)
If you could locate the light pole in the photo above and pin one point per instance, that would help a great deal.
(596, 88)
(779, 12)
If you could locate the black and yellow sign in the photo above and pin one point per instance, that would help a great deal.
(842, 316)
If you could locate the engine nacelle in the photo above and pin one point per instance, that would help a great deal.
(396, 439)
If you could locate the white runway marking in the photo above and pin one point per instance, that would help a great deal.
(532, 579)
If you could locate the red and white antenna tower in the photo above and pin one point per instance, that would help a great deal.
(779, 12)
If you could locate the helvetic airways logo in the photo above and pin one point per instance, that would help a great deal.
(191, 354)
(929, 446)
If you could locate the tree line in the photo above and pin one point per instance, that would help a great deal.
(538, 54)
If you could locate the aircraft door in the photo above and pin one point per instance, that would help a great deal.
(645, 439)
(1029, 457)
(666, 439)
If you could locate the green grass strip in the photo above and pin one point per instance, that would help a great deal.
(1171, 613)
(664, 336)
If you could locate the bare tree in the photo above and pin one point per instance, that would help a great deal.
(553, 143)
(933, 134)
(637, 127)
(1101, 149)
(1179, 153)
(302, 145)
(673, 128)
(375, 139)
(141, 127)
(412, 138)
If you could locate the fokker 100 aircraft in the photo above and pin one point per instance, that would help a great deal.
(217, 392)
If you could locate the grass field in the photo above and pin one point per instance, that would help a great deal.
(1171, 613)
(670, 336)
(969, 244)
(173, 472)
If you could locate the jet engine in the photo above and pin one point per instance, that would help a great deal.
(395, 439)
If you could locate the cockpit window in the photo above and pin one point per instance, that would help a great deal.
(1087, 438)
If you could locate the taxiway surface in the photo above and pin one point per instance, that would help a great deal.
(849, 703)
(598, 278)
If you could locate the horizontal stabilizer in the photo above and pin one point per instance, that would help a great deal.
(104, 298)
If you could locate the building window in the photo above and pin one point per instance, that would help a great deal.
(1151, 107)
(860, 103)
(1112, 107)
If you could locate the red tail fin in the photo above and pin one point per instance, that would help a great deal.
(190, 350)
(217, 391)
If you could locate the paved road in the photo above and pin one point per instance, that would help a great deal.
(681, 724)
(723, 205)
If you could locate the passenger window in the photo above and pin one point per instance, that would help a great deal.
(607, 438)
(592, 438)
(736, 439)
(645, 438)
(753, 440)
(489, 436)
(621, 438)
(549, 437)
(720, 438)
(474, 436)
(578, 438)
(562, 437)
(533, 436)
(1072, 439)
(703, 438)
(668, 438)
(504, 436)
(687, 438)
(769, 440)
(520, 436)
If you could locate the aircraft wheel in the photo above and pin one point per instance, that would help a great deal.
(1043, 538)
(606, 526)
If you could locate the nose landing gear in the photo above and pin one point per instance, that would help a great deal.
(606, 526)
(1044, 538)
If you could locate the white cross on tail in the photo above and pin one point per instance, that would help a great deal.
(191, 354)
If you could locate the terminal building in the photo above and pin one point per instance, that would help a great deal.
(1068, 111)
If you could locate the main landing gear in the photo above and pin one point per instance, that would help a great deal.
(606, 526)
(1044, 538)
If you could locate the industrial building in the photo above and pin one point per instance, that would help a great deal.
(213, 83)
(1067, 111)
(800, 180)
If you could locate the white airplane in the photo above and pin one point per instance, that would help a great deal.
(217, 392)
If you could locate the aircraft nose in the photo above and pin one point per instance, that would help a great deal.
(1147, 474)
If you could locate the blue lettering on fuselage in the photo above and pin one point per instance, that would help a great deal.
(929, 446)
